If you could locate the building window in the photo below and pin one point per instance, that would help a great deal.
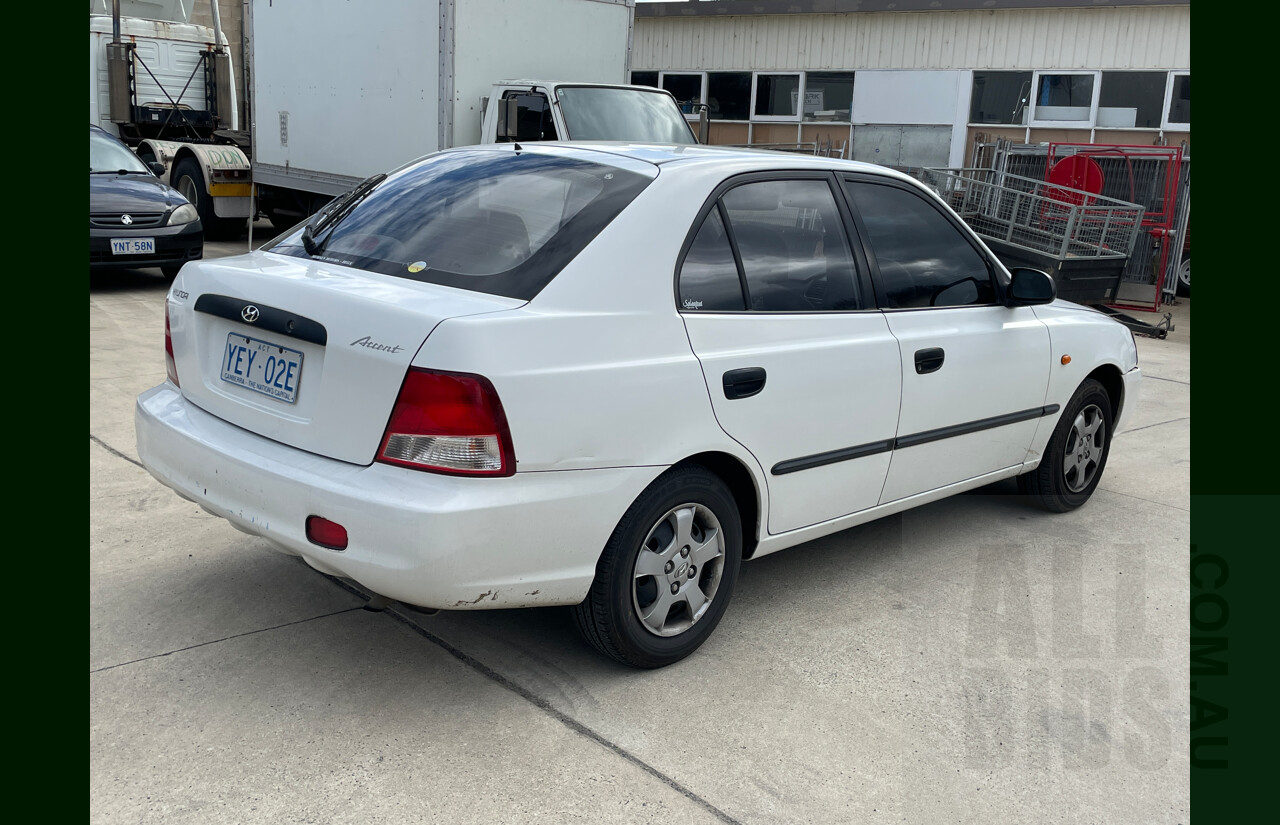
(828, 96)
(1178, 112)
(1064, 99)
(644, 79)
(1131, 100)
(686, 88)
(777, 97)
(729, 95)
(1000, 97)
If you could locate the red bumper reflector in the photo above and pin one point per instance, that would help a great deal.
(326, 533)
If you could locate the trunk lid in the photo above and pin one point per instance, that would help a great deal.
(306, 353)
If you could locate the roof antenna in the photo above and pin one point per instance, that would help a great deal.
(518, 149)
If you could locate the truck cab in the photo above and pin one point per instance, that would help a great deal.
(532, 110)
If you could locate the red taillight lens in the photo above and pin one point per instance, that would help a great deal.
(449, 422)
(170, 365)
(326, 533)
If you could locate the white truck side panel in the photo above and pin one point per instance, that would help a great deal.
(583, 40)
(341, 88)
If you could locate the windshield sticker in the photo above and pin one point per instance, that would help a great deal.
(417, 266)
(689, 303)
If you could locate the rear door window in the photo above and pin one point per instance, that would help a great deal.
(792, 243)
(499, 222)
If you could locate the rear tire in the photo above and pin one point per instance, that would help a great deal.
(1076, 454)
(1184, 278)
(188, 178)
(666, 574)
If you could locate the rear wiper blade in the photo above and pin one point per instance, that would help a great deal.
(329, 217)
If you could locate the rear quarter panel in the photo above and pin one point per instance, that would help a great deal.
(597, 370)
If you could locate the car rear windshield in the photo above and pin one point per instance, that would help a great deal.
(501, 222)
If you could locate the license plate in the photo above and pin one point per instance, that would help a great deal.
(133, 246)
(262, 367)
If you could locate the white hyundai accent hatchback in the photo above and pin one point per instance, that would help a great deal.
(603, 375)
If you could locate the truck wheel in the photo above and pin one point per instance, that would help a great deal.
(667, 572)
(1184, 278)
(188, 178)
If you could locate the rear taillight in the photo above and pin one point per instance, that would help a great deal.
(448, 422)
(170, 366)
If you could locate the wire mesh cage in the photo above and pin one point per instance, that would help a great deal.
(1081, 238)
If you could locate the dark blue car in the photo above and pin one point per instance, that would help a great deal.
(136, 219)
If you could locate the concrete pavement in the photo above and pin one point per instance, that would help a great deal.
(973, 660)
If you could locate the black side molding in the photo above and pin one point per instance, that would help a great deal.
(269, 319)
(972, 426)
(808, 462)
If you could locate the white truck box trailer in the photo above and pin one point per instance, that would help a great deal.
(343, 90)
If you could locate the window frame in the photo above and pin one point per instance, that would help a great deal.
(1026, 113)
(995, 269)
(1167, 125)
(755, 85)
(702, 89)
(1164, 102)
(804, 90)
(1088, 123)
(868, 298)
(706, 94)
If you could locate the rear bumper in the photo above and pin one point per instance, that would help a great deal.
(431, 540)
(175, 245)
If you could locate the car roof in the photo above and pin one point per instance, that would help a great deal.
(742, 159)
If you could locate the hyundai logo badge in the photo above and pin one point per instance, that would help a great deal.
(249, 314)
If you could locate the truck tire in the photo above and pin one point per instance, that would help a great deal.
(188, 178)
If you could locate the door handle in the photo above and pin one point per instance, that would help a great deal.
(929, 360)
(743, 383)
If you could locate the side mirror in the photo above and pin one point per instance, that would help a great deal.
(1029, 287)
(157, 168)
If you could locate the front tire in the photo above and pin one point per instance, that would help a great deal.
(1076, 454)
(666, 574)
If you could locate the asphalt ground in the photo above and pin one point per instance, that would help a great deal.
(972, 660)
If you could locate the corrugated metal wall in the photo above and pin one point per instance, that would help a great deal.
(1103, 38)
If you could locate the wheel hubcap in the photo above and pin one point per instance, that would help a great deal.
(1083, 452)
(678, 570)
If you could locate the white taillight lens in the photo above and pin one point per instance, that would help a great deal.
(170, 365)
(447, 422)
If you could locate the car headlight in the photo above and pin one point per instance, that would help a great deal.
(183, 214)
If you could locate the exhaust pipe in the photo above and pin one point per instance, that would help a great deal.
(119, 63)
(221, 71)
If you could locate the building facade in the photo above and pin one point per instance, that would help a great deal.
(918, 82)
